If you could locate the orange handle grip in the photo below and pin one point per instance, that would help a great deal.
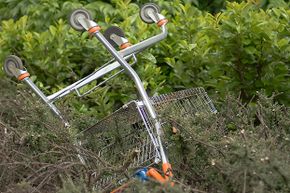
(155, 175)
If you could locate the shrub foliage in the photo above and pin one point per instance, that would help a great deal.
(241, 49)
(244, 148)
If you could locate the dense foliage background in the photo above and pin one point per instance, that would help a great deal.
(239, 48)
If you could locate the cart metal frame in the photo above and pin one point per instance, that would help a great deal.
(144, 109)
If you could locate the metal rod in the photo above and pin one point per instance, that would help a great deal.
(146, 43)
(45, 100)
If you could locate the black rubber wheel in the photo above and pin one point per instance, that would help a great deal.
(73, 18)
(145, 9)
(12, 61)
(113, 30)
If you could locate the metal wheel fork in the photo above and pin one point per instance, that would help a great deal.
(13, 67)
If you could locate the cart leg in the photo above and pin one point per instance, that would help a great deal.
(53, 108)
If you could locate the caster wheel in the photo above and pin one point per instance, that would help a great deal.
(73, 18)
(113, 30)
(145, 9)
(12, 62)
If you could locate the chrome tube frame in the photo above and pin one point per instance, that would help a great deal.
(126, 53)
(146, 43)
(132, 73)
(105, 69)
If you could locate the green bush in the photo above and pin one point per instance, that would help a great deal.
(241, 49)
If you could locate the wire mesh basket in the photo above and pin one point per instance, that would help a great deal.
(126, 139)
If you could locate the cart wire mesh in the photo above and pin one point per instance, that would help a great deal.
(127, 138)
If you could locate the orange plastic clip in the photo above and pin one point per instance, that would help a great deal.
(162, 22)
(125, 45)
(94, 29)
(24, 75)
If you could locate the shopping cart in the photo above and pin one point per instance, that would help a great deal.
(130, 138)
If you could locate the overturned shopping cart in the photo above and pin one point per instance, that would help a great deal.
(130, 138)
